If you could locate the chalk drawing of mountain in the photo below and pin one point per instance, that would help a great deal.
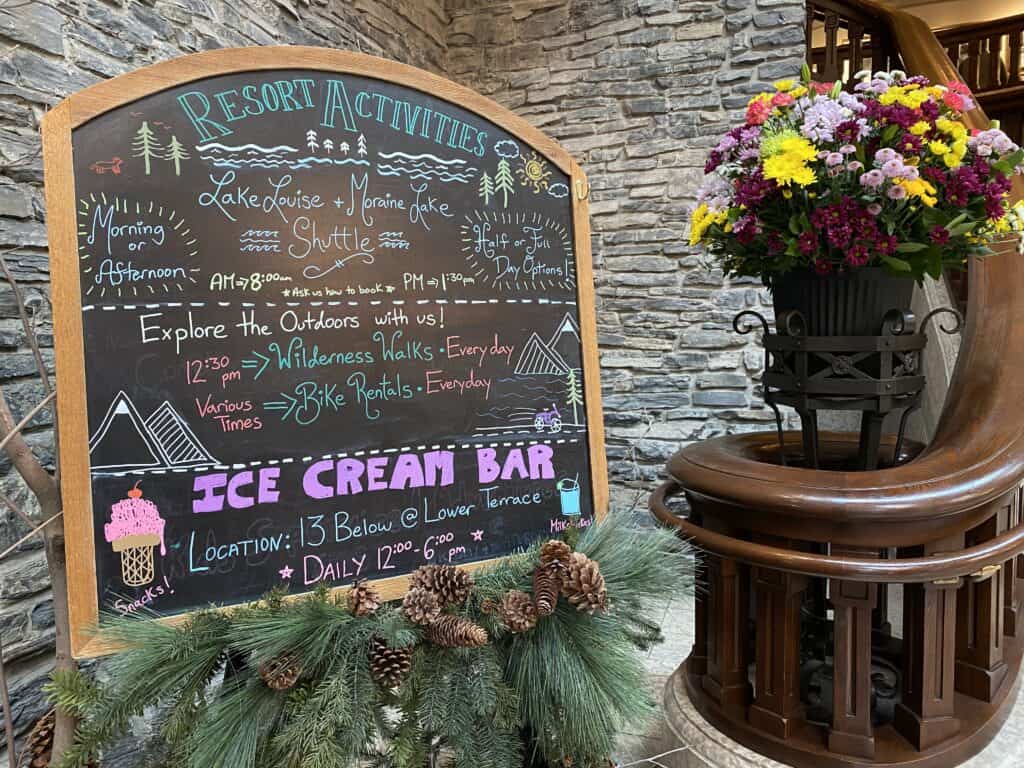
(538, 359)
(566, 340)
(125, 442)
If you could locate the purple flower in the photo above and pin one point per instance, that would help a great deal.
(939, 235)
(854, 165)
(885, 154)
(833, 159)
(848, 149)
(896, 192)
(893, 168)
(822, 118)
(851, 131)
(875, 208)
(872, 178)
(808, 243)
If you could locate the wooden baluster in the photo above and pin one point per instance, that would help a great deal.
(1013, 622)
(1013, 64)
(971, 71)
(728, 616)
(856, 33)
(831, 68)
(994, 44)
(925, 713)
(809, 36)
(778, 598)
(980, 669)
(852, 603)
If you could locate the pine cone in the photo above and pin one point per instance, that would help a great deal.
(451, 631)
(421, 606)
(280, 673)
(488, 606)
(584, 584)
(363, 600)
(451, 585)
(388, 665)
(547, 584)
(517, 611)
(40, 741)
(555, 550)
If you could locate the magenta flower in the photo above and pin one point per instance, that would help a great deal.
(939, 235)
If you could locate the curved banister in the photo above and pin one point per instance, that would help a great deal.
(974, 561)
(977, 454)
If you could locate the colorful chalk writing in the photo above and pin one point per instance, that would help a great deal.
(331, 332)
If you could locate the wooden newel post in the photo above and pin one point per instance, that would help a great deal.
(853, 603)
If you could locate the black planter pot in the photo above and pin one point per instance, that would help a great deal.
(848, 304)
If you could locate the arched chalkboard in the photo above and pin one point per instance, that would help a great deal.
(319, 317)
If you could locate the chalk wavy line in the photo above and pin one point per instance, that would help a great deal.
(257, 147)
(441, 176)
(453, 161)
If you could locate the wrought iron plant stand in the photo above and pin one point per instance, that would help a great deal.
(876, 375)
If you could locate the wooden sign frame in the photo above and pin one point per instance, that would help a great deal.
(78, 109)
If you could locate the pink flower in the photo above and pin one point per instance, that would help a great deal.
(758, 111)
(782, 99)
(874, 209)
(896, 192)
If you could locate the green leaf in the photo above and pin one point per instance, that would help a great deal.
(805, 73)
(911, 247)
(897, 264)
(935, 263)
(962, 229)
(794, 224)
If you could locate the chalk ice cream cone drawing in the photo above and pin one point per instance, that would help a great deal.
(134, 530)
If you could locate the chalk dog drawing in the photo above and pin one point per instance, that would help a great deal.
(125, 442)
(134, 530)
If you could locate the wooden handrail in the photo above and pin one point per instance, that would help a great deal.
(974, 561)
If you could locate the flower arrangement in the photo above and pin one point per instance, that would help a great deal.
(889, 175)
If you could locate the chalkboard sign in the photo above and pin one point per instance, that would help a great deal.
(319, 317)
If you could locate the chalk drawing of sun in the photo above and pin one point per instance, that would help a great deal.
(534, 172)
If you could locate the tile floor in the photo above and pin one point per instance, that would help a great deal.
(659, 747)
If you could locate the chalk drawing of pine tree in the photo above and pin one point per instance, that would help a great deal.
(311, 140)
(343, 147)
(328, 146)
(486, 188)
(503, 181)
(146, 146)
(176, 152)
(361, 145)
(574, 396)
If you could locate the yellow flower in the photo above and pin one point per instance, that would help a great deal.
(702, 219)
(1003, 225)
(920, 128)
(919, 188)
(953, 128)
(906, 95)
(784, 85)
(952, 159)
(790, 163)
(939, 148)
(798, 92)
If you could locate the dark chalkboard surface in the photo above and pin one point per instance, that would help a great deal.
(330, 319)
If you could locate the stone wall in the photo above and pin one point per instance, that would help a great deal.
(638, 91)
(47, 51)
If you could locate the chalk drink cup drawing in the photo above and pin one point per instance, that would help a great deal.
(134, 530)
(569, 492)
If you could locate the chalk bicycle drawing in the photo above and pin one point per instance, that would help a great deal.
(550, 420)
